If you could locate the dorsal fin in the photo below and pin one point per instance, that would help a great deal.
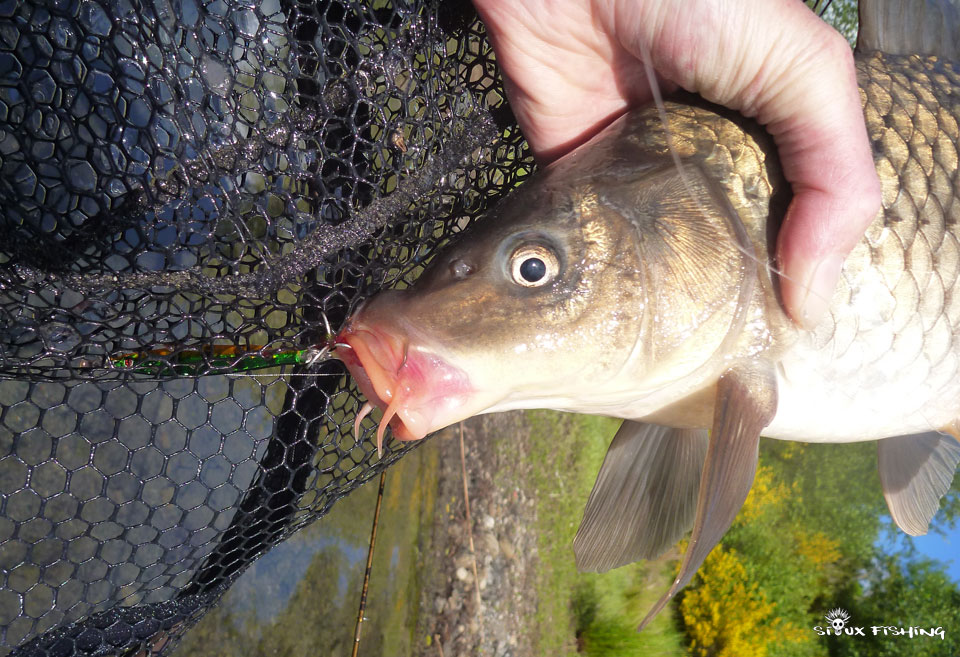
(910, 27)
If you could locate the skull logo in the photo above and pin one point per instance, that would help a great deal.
(838, 619)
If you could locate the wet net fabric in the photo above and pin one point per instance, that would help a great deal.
(184, 180)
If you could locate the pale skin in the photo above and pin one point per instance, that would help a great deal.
(572, 66)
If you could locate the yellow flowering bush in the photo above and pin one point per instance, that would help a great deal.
(727, 615)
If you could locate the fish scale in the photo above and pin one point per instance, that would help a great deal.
(656, 301)
(892, 332)
(884, 359)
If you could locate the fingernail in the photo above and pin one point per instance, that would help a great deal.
(819, 288)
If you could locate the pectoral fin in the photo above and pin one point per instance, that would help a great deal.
(746, 403)
(915, 472)
(644, 498)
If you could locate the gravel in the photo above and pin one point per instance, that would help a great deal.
(504, 518)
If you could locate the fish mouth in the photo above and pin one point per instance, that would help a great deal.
(418, 391)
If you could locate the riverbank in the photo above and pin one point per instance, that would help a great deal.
(529, 476)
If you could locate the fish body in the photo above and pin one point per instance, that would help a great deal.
(883, 362)
(618, 283)
(885, 359)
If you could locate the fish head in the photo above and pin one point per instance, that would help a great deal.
(589, 288)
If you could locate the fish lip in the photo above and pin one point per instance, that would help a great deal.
(418, 390)
(371, 357)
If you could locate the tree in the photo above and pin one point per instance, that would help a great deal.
(902, 593)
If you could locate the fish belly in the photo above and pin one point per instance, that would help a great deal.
(885, 360)
(818, 403)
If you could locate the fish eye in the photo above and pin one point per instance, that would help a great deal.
(533, 265)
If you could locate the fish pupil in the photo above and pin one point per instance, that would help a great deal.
(533, 269)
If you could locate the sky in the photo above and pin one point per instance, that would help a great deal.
(941, 547)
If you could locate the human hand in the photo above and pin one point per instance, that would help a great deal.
(572, 66)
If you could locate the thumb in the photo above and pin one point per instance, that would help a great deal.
(830, 167)
(820, 229)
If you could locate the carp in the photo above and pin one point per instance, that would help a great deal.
(615, 282)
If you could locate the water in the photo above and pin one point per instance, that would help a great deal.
(302, 597)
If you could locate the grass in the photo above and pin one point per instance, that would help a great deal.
(587, 613)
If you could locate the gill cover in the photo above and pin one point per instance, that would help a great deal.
(708, 292)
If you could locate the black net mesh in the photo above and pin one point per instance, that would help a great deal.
(188, 188)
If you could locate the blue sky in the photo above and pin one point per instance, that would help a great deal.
(942, 547)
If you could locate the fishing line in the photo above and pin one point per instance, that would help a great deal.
(678, 164)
